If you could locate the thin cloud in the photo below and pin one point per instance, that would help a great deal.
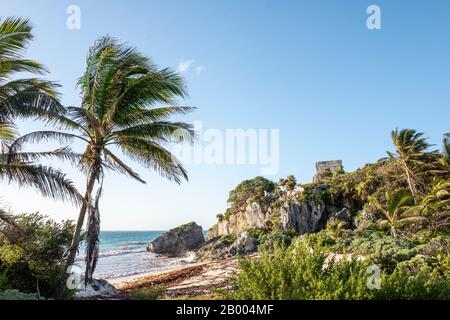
(184, 65)
(199, 70)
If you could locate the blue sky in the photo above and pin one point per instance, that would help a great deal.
(311, 69)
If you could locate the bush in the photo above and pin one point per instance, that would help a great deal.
(228, 239)
(297, 273)
(149, 293)
(303, 272)
(422, 285)
(277, 237)
(33, 263)
(17, 295)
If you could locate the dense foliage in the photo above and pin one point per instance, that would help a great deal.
(31, 253)
(253, 190)
(305, 271)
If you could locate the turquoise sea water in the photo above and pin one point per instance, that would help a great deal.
(123, 255)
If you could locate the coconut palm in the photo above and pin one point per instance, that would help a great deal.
(398, 211)
(412, 157)
(120, 90)
(436, 204)
(22, 98)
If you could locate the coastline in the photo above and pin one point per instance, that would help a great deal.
(190, 281)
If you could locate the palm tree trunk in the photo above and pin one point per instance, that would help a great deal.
(411, 183)
(394, 232)
(73, 249)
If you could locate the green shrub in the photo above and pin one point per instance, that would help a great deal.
(297, 273)
(228, 239)
(276, 237)
(4, 282)
(17, 295)
(149, 293)
(34, 262)
(303, 272)
(422, 285)
(258, 233)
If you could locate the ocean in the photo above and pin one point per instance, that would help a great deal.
(123, 255)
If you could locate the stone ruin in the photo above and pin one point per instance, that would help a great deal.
(323, 167)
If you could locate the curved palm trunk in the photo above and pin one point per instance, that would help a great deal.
(77, 233)
(410, 178)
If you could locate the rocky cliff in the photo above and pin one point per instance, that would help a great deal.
(250, 216)
(290, 211)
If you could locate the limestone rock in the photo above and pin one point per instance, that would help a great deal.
(221, 247)
(303, 217)
(178, 241)
(96, 289)
(343, 215)
(252, 216)
(244, 244)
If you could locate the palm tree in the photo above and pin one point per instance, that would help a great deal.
(120, 89)
(397, 212)
(30, 97)
(22, 98)
(436, 204)
(411, 156)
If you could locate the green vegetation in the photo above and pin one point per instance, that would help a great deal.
(149, 293)
(401, 212)
(31, 253)
(248, 191)
(303, 271)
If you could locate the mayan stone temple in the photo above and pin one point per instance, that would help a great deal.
(327, 166)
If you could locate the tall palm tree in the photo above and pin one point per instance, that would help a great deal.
(397, 211)
(411, 156)
(120, 89)
(22, 98)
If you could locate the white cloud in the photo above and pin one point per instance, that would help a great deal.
(199, 70)
(184, 66)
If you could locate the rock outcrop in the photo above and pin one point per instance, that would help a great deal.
(252, 216)
(343, 215)
(99, 289)
(304, 209)
(221, 247)
(179, 240)
(244, 244)
(306, 217)
(303, 216)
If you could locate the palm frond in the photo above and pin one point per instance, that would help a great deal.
(39, 136)
(64, 154)
(165, 131)
(49, 182)
(116, 164)
(152, 155)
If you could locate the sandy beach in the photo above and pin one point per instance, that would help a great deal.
(194, 280)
